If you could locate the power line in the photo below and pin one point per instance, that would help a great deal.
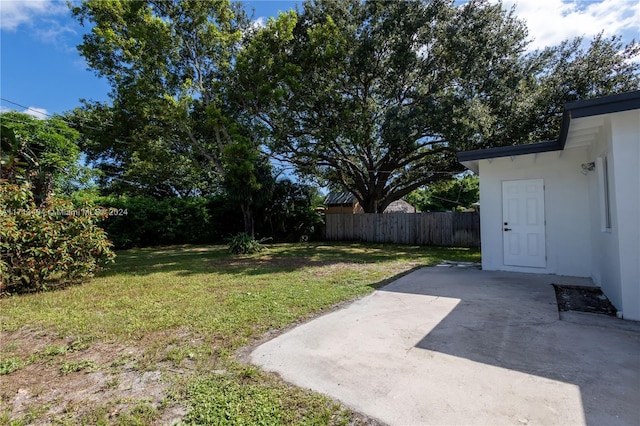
(57, 117)
(15, 120)
(27, 108)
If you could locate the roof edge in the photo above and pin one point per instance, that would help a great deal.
(604, 105)
(585, 108)
(597, 106)
(509, 151)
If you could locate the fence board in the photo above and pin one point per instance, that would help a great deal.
(439, 228)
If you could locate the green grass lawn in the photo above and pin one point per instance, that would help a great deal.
(183, 312)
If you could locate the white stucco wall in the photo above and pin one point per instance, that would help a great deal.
(605, 264)
(616, 251)
(567, 209)
(625, 135)
(577, 241)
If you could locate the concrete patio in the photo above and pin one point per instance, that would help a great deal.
(449, 345)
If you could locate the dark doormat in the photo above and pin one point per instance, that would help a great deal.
(583, 299)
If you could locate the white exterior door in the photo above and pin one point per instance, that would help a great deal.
(523, 229)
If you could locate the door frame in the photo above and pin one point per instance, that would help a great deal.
(540, 260)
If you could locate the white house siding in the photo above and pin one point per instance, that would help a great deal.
(605, 269)
(567, 205)
(625, 135)
(616, 251)
(579, 241)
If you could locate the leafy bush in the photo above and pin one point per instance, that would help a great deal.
(290, 215)
(243, 243)
(55, 241)
(146, 221)
(136, 221)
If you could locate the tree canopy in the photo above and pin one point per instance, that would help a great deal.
(41, 153)
(168, 63)
(377, 96)
(445, 195)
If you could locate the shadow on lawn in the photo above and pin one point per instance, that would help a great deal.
(192, 260)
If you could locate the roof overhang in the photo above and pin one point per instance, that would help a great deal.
(574, 110)
(470, 158)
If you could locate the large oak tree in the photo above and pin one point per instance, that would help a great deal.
(377, 96)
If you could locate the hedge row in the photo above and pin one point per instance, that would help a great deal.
(145, 222)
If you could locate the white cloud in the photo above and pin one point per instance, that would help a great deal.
(14, 13)
(552, 21)
(39, 113)
(52, 32)
(49, 21)
(259, 22)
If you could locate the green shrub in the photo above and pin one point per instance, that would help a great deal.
(243, 243)
(137, 221)
(146, 221)
(55, 241)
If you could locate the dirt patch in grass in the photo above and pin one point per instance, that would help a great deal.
(59, 381)
(583, 299)
(103, 383)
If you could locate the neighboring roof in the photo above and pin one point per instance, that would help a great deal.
(348, 199)
(340, 199)
(585, 108)
(400, 206)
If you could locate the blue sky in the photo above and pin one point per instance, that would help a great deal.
(41, 70)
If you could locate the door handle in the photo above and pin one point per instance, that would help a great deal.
(507, 229)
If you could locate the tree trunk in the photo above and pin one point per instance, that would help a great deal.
(42, 188)
(375, 204)
(247, 216)
(369, 204)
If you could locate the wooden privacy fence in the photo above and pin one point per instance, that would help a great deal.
(453, 229)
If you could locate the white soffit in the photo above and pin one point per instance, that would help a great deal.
(584, 131)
